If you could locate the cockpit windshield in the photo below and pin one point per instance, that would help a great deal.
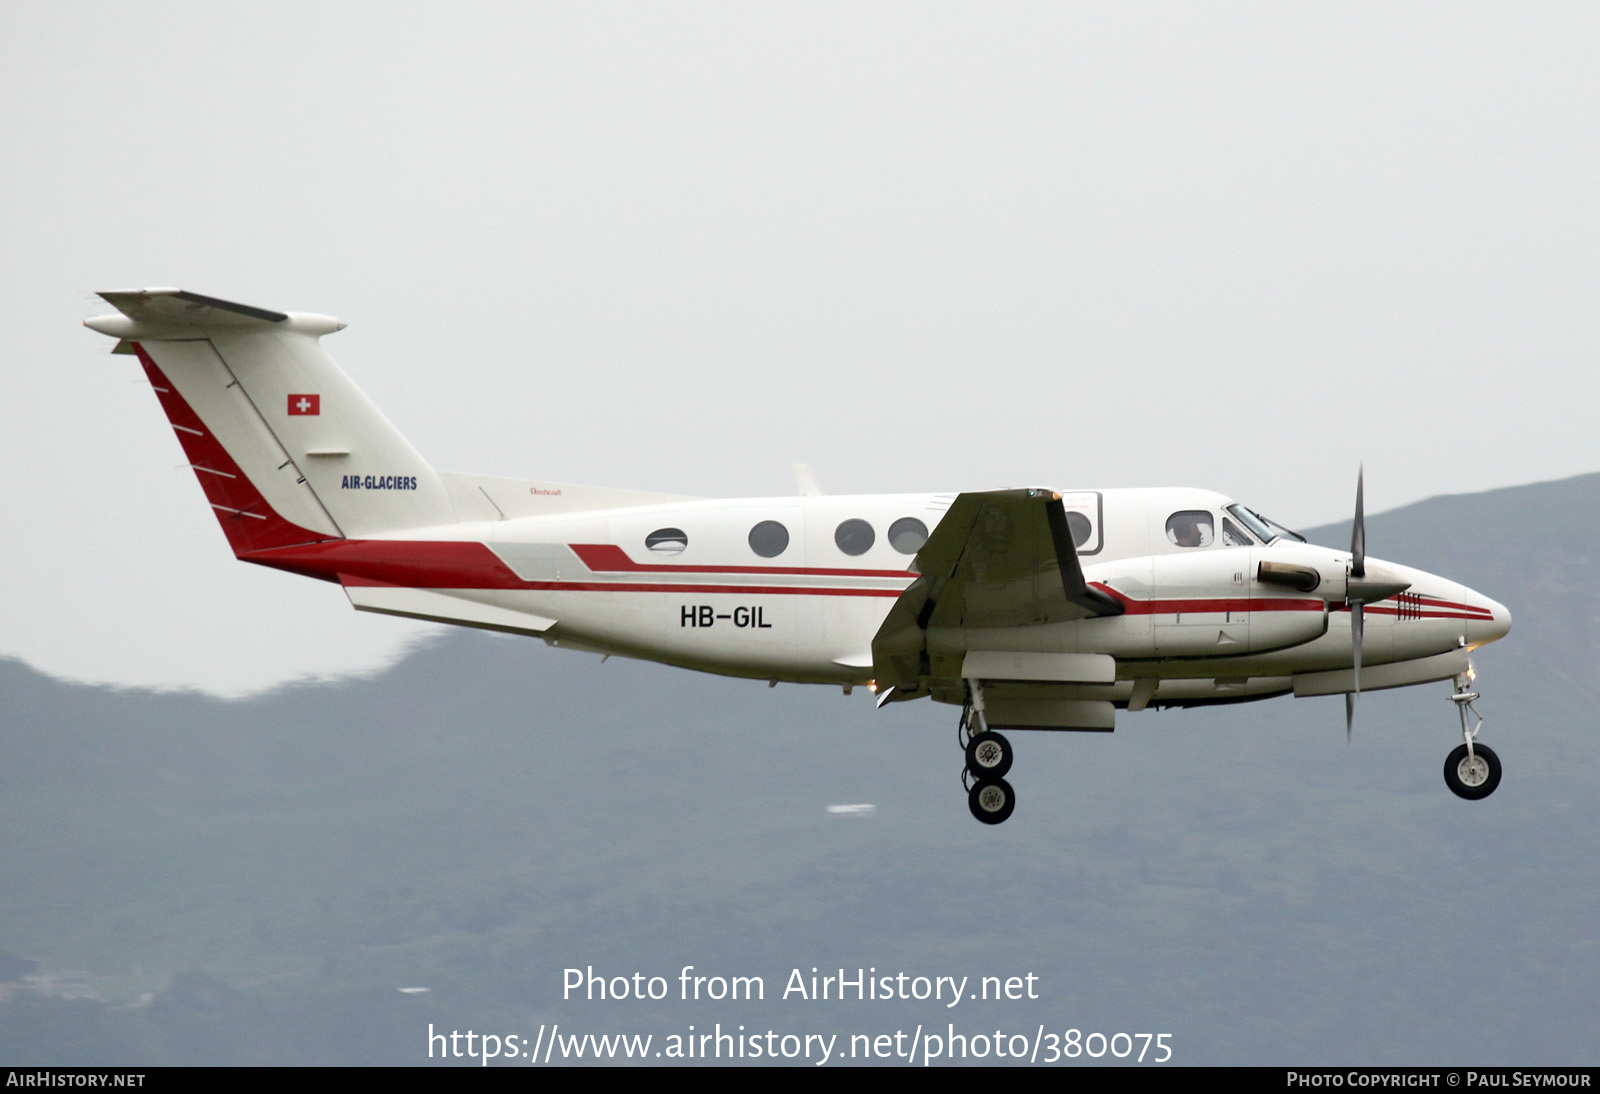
(1261, 527)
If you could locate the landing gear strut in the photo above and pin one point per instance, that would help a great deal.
(1471, 771)
(989, 756)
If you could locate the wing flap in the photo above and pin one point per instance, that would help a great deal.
(1061, 668)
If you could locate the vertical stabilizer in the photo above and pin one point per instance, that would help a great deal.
(318, 457)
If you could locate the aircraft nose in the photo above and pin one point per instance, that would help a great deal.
(1481, 632)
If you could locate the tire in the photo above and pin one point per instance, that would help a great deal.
(988, 756)
(1472, 779)
(991, 800)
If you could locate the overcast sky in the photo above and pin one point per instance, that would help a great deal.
(679, 248)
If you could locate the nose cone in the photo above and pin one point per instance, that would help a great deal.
(1480, 632)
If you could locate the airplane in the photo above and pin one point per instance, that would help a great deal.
(1028, 609)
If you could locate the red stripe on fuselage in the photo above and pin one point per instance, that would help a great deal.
(410, 563)
(1439, 602)
(449, 564)
(1287, 604)
(1414, 613)
(607, 558)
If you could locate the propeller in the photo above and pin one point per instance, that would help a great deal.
(1363, 588)
(1358, 571)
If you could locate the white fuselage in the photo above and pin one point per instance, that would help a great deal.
(698, 594)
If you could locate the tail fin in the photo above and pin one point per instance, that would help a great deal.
(286, 447)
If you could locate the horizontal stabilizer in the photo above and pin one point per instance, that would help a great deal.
(156, 314)
(187, 308)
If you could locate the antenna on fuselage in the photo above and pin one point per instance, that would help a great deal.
(806, 482)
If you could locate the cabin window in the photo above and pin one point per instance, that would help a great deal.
(907, 535)
(854, 537)
(1190, 528)
(667, 541)
(769, 539)
(1079, 526)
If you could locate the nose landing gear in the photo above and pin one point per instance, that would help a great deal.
(1471, 771)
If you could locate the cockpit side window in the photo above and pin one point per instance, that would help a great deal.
(1190, 528)
(1233, 535)
(1263, 528)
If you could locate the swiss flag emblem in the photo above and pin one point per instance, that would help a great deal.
(305, 404)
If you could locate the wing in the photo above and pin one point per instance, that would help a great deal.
(1002, 558)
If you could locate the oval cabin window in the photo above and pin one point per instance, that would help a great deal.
(907, 535)
(854, 537)
(769, 539)
(667, 541)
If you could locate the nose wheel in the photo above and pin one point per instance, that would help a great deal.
(1471, 771)
(1472, 775)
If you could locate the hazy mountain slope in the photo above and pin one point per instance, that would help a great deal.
(489, 812)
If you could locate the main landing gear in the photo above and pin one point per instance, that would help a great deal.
(989, 756)
(1471, 771)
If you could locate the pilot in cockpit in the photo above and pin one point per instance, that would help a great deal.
(1190, 528)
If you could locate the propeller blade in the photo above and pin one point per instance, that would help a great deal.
(1355, 643)
(1358, 573)
(1355, 639)
(1358, 530)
